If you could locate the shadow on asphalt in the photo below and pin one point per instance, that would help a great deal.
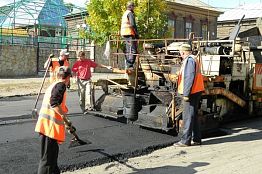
(254, 123)
(190, 169)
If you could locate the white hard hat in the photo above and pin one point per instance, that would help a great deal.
(64, 52)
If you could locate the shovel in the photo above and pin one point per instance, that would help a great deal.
(34, 112)
(76, 141)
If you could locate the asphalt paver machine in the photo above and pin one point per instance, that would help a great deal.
(148, 95)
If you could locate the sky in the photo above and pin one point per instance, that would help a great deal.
(229, 4)
(222, 4)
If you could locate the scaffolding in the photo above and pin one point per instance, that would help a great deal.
(28, 22)
(47, 26)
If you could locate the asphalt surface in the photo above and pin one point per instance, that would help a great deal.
(117, 142)
(238, 152)
(21, 106)
(111, 140)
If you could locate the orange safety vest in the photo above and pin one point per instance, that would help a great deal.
(198, 84)
(54, 68)
(126, 28)
(50, 123)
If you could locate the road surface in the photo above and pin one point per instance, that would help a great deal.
(239, 152)
(111, 140)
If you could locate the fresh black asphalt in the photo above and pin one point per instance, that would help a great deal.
(111, 140)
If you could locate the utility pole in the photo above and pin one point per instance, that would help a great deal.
(13, 25)
(14, 14)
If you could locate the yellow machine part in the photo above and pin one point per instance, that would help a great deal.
(222, 91)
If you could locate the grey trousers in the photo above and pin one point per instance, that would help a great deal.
(131, 48)
(86, 99)
(191, 130)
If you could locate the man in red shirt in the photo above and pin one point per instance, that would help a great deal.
(82, 69)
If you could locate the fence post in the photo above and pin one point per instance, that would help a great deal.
(92, 52)
(37, 58)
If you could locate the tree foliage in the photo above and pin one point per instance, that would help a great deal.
(105, 18)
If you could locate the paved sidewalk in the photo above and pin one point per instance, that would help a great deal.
(31, 86)
(236, 153)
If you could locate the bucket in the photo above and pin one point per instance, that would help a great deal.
(130, 108)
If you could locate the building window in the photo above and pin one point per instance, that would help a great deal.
(172, 27)
(204, 31)
(188, 28)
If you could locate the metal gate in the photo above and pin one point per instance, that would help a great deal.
(47, 46)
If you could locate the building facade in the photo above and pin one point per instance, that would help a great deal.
(192, 16)
(76, 27)
(251, 25)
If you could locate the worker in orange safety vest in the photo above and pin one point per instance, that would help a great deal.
(52, 121)
(190, 86)
(55, 63)
(130, 34)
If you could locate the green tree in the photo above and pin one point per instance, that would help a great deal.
(105, 18)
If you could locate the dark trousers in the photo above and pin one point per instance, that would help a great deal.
(191, 129)
(49, 155)
(130, 50)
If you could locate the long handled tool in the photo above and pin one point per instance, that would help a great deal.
(34, 112)
(75, 141)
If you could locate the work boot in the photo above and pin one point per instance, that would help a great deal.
(193, 143)
(180, 144)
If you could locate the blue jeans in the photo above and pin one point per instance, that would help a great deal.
(131, 49)
(191, 123)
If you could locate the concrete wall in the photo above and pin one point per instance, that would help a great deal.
(21, 61)
(17, 61)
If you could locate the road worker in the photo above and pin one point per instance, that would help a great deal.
(62, 60)
(52, 121)
(190, 86)
(130, 34)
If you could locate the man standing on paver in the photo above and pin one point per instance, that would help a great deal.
(52, 121)
(62, 60)
(190, 86)
(82, 69)
(130, 34)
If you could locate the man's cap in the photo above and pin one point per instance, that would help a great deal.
(185, 47)
(64, 52)
(130, 3)
(64, 72)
